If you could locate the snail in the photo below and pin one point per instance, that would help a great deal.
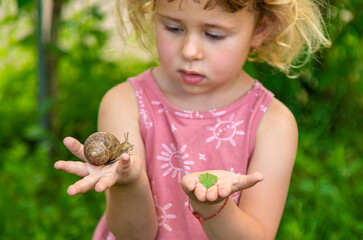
(103, 148)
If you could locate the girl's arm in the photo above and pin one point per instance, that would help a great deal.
(261, 206)
(130, 210)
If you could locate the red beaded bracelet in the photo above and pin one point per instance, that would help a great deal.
(203, 219)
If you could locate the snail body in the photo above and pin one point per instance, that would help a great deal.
(103, 148)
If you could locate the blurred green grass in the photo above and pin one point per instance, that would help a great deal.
(325, 195)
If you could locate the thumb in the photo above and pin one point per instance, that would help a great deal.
(125, 162)
(246, 181)
(75, 147)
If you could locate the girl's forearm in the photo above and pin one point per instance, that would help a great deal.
(230, 223)
(131, 211)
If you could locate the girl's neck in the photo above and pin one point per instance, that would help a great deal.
(218, 98)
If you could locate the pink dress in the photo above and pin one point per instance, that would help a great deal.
(178, 142)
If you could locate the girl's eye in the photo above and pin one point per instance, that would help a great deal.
(215, 36)
(173, 28)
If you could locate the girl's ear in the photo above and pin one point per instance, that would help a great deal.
(262, 31)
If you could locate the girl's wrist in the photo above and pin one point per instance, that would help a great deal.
(131, 183)
(206, 210)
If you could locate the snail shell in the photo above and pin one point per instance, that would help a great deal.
(103, 148)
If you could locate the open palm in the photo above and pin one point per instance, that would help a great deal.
(99, 178)
(227, 184)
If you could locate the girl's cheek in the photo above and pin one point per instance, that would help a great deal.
(225, 59)
(234, 56)
(165, 48)
(166, 51)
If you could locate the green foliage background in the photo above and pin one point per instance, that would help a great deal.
(325, 196)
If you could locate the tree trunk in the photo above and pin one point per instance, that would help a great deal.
(48, 63)
(52, 65)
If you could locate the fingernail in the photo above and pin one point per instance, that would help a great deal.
(125, 156)
(71, 191)
(259, 176)
(57, 165)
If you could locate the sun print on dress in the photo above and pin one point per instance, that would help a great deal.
(225, 131)
(176, 161)
(163, 215)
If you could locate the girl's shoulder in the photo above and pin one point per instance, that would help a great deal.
(278, 116)
(121, 99)
(278, 130)
(121, 95)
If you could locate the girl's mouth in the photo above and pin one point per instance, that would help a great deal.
(190, 77)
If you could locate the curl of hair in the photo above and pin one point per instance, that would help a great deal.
(298, 27)
(137, 16)
(298, 33)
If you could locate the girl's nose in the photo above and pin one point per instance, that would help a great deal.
(192, 49)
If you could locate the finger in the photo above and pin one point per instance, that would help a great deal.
(246, 181)
(75, 147)
(200, 192)
(189, 183)
(84, 185)
(212, 193)
(224, 189)
(105, 182)
(125, 162)
(73, 167)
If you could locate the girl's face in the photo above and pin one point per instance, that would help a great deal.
(202, 50)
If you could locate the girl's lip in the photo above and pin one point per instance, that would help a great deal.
(190, 72)
(191, 77)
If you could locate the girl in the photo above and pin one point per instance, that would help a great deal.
(200, 112)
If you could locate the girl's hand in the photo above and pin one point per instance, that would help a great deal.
(227, 184)
(125, 171)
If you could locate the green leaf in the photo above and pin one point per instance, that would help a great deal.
(207, 179)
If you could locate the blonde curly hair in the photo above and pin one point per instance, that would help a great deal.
(299, 29)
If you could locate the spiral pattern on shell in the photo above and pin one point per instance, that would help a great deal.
(101, 148)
